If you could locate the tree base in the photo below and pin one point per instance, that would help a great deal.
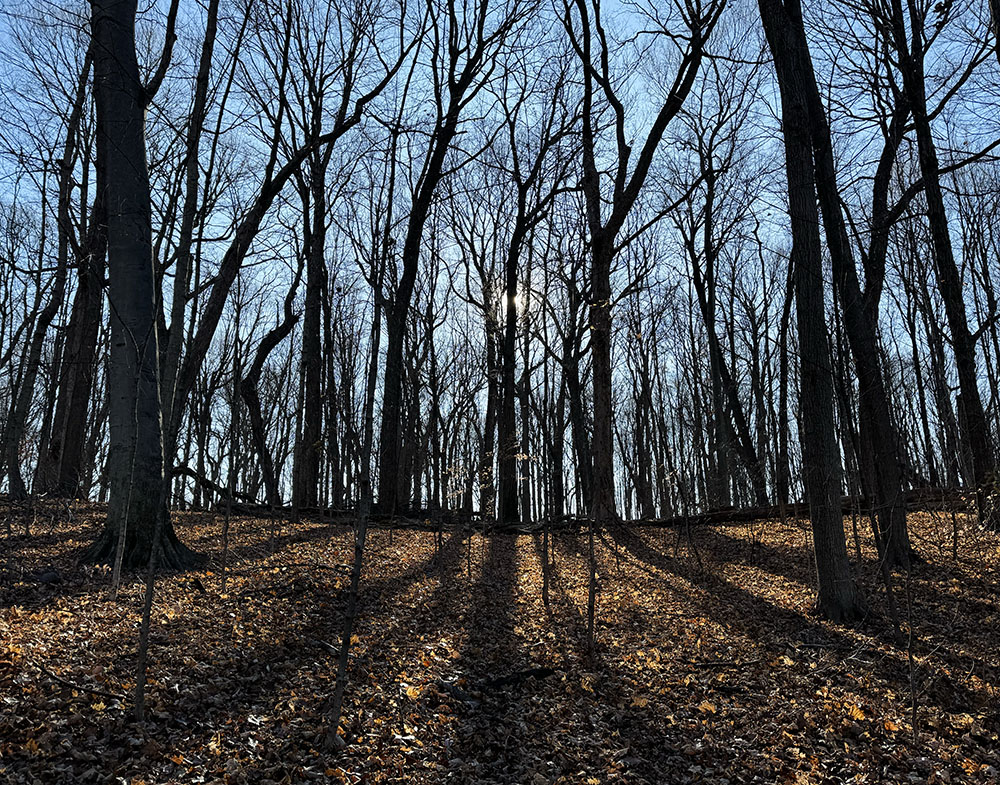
(847, 609)
(899, 560)
(174, 555)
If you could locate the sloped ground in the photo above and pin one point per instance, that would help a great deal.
(709, 666)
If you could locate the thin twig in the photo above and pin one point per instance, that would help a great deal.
(82, 688)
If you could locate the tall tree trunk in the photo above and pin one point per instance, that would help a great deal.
(838, 597)
(581, 438)
(603, 510)
(135, 460)
(248, 391)
(311, 449)
(335, 448)
(487, 483)
(509, 437)
(19, 414)
(974, 424)
(527, 461)
(189, 210)
(76, 382)
(925, 428)
(782, 475)
(459, 82)
(879, 437)
(556, 441)
(643, 442)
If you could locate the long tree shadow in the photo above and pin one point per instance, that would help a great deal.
(775, 628)
(237, 675)
(542, 709)
(788, 561)
(323, 621)
(795, 562)
(300, 533)
(496, 710)
(621, 737)
(935, 607)
(39, 579)
(505, 728)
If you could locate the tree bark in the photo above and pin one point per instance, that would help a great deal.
(879, 438)
(838, 597)
(602, 445)
(311, 449)
(135, 460)
(510, 439)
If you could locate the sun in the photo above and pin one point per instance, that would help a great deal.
(520, 301)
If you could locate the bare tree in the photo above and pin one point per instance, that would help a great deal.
(602, 84)
(138, 525)
(463, 48)
(838, 598)
(910, 38)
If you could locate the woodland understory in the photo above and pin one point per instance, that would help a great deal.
(709, 663)
(499, 391)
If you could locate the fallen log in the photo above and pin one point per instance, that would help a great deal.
(917, 499)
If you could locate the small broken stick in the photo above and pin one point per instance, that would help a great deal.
(78, 687)
(517, 678)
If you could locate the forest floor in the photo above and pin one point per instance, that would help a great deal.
(709, 664)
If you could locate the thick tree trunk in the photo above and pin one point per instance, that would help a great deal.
(510, 439)
(879, 438)
(838, 597)
(135, 460)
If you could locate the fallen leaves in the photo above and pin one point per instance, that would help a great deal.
(854, 711)
(714, 673)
